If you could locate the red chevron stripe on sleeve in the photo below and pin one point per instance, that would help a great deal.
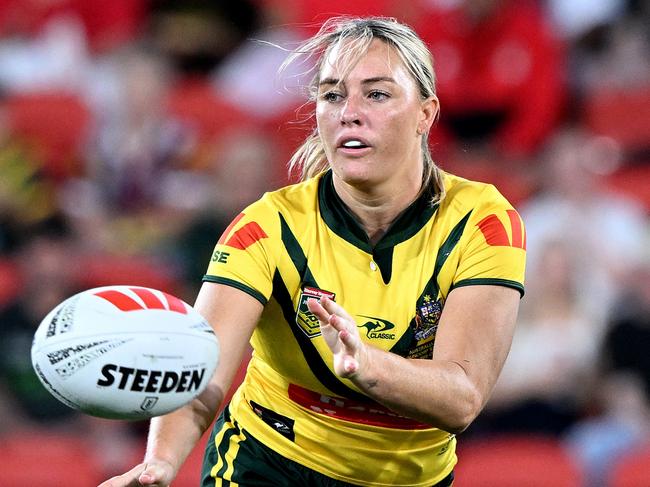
(229, 228)
(494, 231)
(518, 232)
(246, 236)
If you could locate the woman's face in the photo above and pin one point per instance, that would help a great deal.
(371, 122)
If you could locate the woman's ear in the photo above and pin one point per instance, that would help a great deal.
(430, 113)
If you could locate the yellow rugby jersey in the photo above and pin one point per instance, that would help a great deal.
(300, 242)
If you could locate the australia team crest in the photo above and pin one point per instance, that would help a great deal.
(427, 316)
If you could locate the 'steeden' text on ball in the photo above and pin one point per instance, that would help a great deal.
(143, 380)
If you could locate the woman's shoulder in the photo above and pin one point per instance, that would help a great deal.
(300, 194)
(469, 193)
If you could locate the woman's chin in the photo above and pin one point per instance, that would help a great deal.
(355, 173)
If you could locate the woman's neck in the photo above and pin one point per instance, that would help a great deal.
(376, 210)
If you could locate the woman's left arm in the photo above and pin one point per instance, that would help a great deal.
(447, 391)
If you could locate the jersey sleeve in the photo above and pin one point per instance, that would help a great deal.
(243, 257)
(494, 249)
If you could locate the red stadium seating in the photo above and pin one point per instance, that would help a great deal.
(35, 458)
(633, 181)
(105, 269)
(55, 125)
(515, 461)
(633, 470)
(197, 102)
(10, 281)
(622, 115)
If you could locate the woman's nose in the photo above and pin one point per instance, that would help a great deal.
(351, 112)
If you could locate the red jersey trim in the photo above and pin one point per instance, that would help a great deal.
(369, 413)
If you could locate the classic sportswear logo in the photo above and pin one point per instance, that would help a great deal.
(495, 232)
(150, 300)
(378, 328)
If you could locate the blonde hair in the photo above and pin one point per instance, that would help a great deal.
(357, 34)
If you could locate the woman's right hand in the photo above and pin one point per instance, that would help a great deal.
(155, 473)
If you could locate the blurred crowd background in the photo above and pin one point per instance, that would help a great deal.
(133, 131)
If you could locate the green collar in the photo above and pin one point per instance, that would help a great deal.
(340, 220)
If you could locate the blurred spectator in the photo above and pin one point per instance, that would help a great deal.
(574, 207)
(579, 18)
(249, 76)
(550, 366)
(50, 45)
(105, 23)
(136, 140)
(43, 260)
(112, 24)
(610, 45)
(628, 339)
(54, 126)
(54, 58)
(622, 392)
(26, 197)
(500, 72)
(242, 169)
(249, 80)
(245, 167)
(137, 145)
(196, 35)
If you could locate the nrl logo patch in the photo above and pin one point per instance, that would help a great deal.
(305, 319)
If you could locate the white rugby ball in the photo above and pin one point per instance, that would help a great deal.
(124, 352)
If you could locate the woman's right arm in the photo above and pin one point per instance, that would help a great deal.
(233, 315)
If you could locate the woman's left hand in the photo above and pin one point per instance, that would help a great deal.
(341, 335)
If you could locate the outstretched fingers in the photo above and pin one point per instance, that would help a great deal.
(341, 325)
(340, 333)
(319, 311)
(333, 308)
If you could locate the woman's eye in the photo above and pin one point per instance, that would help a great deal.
(331, 96)
(378, 95)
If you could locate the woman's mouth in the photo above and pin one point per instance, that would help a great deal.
(353, 146)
